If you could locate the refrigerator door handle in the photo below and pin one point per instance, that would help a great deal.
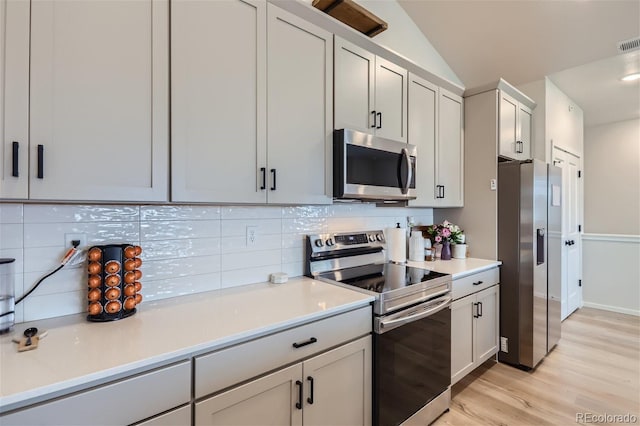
(540, 257)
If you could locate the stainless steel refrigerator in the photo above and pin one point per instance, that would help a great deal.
(529, 236)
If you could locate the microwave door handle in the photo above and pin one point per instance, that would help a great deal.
(407, 159)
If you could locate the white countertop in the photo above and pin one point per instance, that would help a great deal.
(458, 268)
(78, 354)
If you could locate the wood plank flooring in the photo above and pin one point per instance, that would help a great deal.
(594, 369)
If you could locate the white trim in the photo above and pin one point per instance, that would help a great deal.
(612, 308)
(618, 238)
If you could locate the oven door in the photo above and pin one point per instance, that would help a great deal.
(411, 360)
(366, 167)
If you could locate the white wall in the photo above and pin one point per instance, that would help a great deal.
(611, 243)
(187, 249)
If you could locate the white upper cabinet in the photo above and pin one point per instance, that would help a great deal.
(370, 93)
(515, 128)
(218, 100)
(450, 149)
(299, 110)
(99, 100)
(251, 118)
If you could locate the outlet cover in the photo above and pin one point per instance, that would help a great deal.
(504, 344)
(493, 184)
(68, 238)
(252, 236)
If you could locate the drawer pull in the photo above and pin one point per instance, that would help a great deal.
(478, 283)
(299, 403)
(305, 343)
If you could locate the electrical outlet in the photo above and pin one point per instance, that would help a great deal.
(504, 344)
(68, 238)
(493, 184)
(252, 235)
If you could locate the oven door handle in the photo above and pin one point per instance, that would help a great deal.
(429, 309)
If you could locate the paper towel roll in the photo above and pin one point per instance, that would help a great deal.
(396, 245)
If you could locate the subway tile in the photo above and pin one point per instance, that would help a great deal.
(63, 281)
(179, 213)
(293, 240)
(164, 289)
(247, 212)
(54, 213)
(188, 247)
(170, 268)
(304, 225)
(293, 269)
(17, 254)
(304, 211)
(239, 244)
(346, 224)
(43, 259)
(11, 213)
(293, 255)
(53, 234)
(232, 261)
(170, 230)
(54, 305)
(238, 228)
(11, 236)
(248, 275)
(351, 210)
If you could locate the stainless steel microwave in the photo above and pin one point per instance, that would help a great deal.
(366, 167)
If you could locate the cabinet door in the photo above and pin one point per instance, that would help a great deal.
(177, 417)
(462, 324)
(269, 400)
(423, 127)
(449, 158)
(354, 87)
(338, 386)
(391, 100)
(524, 132)
(218, 100)
(487, 324)
(99, 100)
(14, 99)
(508, 126)
(299, 109)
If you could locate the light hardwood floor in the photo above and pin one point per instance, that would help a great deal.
(594, 369)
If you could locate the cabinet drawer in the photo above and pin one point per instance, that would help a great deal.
(472, 283)
(179, 416)
(122, 402)
(227, 367)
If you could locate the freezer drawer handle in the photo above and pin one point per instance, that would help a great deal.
(478, 283)
(305, 343)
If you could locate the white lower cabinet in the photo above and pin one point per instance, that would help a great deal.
(331, 388)
(178, 417)
(474, 328)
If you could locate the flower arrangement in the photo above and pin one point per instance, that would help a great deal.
(446, 231)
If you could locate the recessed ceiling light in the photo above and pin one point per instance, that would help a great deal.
(631, 77)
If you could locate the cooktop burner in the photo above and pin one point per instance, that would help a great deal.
(382, 277)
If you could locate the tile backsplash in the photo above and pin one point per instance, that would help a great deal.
(187, 249)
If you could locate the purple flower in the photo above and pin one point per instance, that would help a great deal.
(446, 232)
(438, 238)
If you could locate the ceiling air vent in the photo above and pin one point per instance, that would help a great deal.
(629, 45)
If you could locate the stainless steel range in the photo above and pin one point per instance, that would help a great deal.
(412, 323)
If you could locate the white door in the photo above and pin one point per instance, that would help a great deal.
(270, 401)
(449, 151)
(571, 241)
(486, 324)
(524, 133)
(14, 99)
(299, 110)
(218, 101)
(354, 87)
(391, 100)
(423, 131)
(508, 135)
(99, 100)
(338, 386)
(462, 325)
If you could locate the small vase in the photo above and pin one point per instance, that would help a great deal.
(445, 254)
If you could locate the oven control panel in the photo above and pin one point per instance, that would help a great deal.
(326, 243)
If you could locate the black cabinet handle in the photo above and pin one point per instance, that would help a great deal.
(310, 399)
(305, 343)
(442, 191)
(477, 311)
(273, 174)
(478, 283)
(299, 403)
(379, 120)
(480, 309)
(40, 161)
(373, 126)
(263, 170)
(15, 146)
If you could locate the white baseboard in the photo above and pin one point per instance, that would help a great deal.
(611, 308)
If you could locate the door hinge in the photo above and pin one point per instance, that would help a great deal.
(579, 228)
(579, 173)
(579, 283)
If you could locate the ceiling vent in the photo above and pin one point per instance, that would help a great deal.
(629, 45)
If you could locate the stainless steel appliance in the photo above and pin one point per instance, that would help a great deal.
(412, 323)
(366, 167)
(529, 230)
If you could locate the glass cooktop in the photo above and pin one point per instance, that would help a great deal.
(383, 277)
